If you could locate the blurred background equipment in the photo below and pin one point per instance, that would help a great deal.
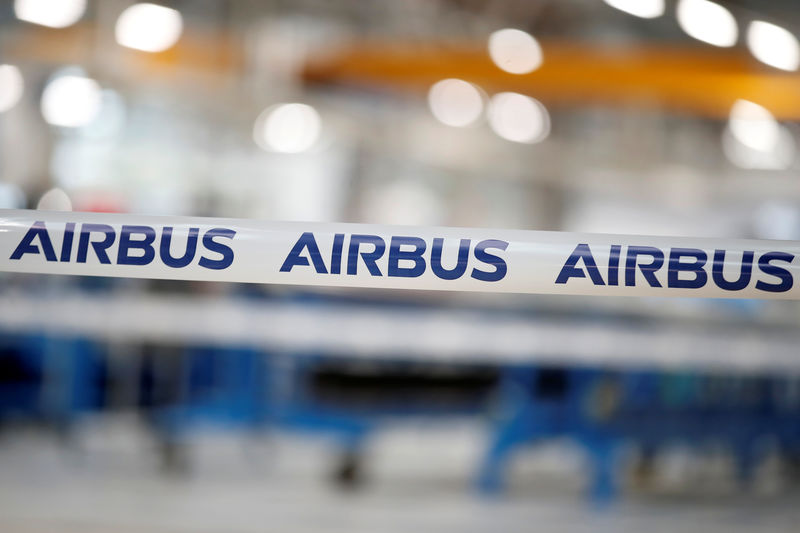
(172, 406)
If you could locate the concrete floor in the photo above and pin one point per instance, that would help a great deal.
(107, 479)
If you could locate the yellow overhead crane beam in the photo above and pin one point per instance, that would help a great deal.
(207, 52)
(692, 79)
(695, 80)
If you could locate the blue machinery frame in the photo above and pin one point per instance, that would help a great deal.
(57, 379)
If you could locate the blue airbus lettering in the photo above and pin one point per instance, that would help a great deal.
(406, 257)
(136, 245)
(686, 268)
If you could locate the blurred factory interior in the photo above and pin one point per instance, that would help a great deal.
(136, 405)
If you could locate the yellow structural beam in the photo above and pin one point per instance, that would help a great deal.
(209, 52)
(695, 80)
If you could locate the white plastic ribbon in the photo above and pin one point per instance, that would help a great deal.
(397, 257)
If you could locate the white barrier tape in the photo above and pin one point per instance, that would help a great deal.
(397, 257)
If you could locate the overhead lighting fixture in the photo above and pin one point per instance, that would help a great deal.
(50, 13)
(11, 87)
(148, 27)
(781, 156)
(707, 22)
(518, 118)
(455, 102)
(71, 101)
(753, 125)
(755, 140)
(646, 9)
(515, 51)
(287, 128)
(773, 45)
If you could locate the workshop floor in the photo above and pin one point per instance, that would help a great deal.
(106, 478)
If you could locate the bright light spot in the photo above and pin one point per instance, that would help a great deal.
(754, 139)
(779, 157)
(518, 118)
(11, 87)
(148, 27)
(52, 13)
(646, 9)
(71, 101)
(455, 102)
(515, 51)
(11, 196)
(753, 126)
(287, 128)
(54, 200)
(773, 45)
(707, 22)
